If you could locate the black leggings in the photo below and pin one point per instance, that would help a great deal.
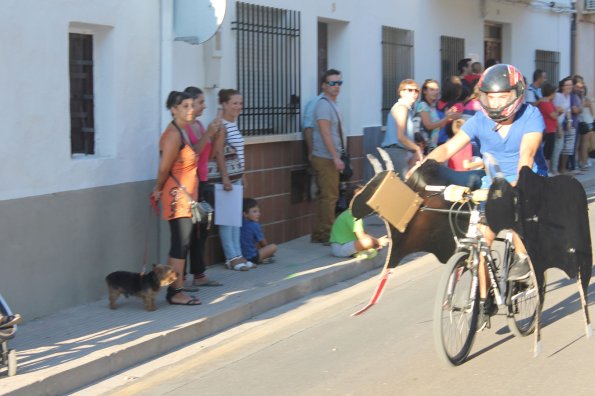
(198, 248)
(184, 235)
(548, 146)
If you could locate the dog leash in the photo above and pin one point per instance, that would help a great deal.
(154, 208)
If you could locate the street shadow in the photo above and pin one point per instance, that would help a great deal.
(558, 311)
(83, 331)
(567, 345)
(490, 347)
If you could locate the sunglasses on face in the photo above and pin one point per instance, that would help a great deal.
(333, 83)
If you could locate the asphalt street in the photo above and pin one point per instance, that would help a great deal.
(314, 347)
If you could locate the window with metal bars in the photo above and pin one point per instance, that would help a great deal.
(268, 69)
(452, 50)
(549, 62)
(82, 130)
(397, 64)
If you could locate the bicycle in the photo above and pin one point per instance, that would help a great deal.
(456, 308)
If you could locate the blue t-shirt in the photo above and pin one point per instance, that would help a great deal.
(506, 152)
(308, 118)
(250, 235)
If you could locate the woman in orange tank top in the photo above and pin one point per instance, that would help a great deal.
(178, 160)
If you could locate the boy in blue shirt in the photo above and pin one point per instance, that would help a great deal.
(254, 246)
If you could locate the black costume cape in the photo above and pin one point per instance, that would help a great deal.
(553, 222)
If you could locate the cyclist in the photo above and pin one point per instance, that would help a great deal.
(511, 132)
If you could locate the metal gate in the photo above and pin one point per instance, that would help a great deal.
(268, 69)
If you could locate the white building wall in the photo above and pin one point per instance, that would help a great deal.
(355, 49)
(529, 29)
(138, 63)
(34, 77)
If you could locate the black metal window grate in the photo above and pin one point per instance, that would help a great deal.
(452, 50)
(397, 64)
(549, 62)
(268, 69)
(82, 129)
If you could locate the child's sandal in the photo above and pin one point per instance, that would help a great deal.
(238, 266)
(250, 264)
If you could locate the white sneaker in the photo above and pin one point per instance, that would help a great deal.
(519, 268)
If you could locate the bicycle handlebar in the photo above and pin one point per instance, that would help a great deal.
(454, 193)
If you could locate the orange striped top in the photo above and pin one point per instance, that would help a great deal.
(174, 201)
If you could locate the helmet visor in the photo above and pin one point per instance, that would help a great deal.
(499, 106)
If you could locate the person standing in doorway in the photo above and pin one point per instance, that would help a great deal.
(326, 154)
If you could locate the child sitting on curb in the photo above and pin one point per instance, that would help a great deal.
(254, 246)
(348, 237)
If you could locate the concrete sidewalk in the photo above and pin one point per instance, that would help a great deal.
(72, 348)
(62, 352)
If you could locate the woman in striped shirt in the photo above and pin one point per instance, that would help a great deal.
(231, 105)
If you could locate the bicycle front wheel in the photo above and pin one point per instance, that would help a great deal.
(523, 300)
(456, 309)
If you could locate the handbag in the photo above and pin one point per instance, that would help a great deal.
(233, 165)
(347, 172)
(202, 212)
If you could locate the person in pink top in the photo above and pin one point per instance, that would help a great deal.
(201, 140)
(463, 160)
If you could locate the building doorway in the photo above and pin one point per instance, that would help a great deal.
(492, 43)
(322, 52)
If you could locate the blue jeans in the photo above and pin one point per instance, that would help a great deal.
(230, 238)
(230, 241)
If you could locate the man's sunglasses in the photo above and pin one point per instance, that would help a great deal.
(333, 83)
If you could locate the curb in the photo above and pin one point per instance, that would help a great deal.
(78, 373)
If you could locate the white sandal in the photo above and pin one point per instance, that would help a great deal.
(236, 267)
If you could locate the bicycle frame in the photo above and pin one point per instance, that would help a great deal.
(475, 243)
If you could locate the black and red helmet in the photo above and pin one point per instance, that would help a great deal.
(501, 78)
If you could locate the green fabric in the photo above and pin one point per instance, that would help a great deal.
(345, 227)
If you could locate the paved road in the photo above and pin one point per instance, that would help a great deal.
(313, 347)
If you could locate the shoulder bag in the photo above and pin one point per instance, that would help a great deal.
(202, 212)
(233, 165)
(347, 172)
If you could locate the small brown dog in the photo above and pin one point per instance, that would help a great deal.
(144, 286)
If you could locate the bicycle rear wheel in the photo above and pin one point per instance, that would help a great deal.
(523, 300)
(456, 309)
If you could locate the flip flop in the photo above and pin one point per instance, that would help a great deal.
(190, 288)
(209, 283)
(192, 301)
